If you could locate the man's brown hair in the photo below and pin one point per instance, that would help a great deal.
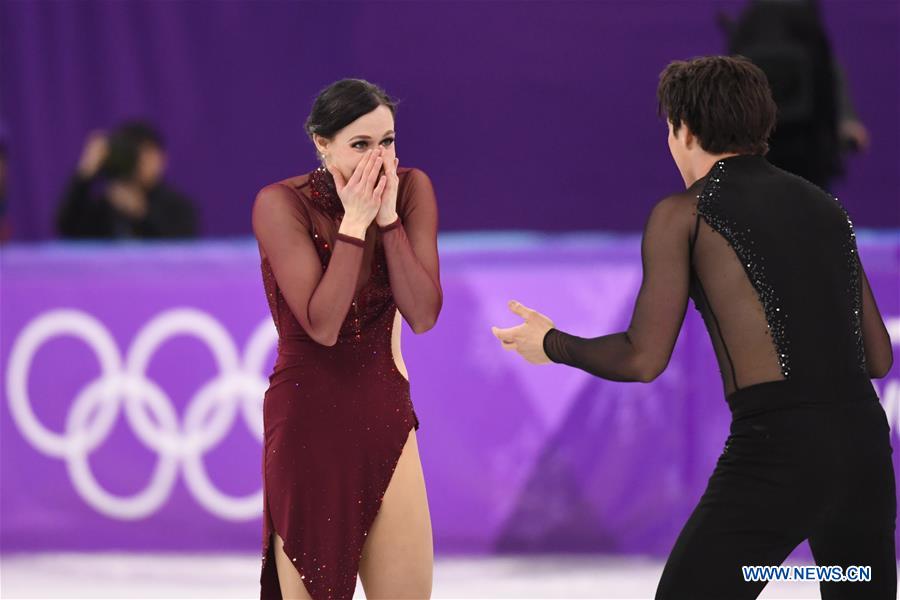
(725, 100)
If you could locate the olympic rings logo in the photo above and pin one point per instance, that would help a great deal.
(208, 416)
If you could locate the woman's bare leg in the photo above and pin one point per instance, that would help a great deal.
(292, 587)
(398, 556)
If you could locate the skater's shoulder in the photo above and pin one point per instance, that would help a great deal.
(677, 203)
(673, 212)
(414, 178)
(290, 191)
(298, 184)
(282, 201)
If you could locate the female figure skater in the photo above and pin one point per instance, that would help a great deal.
(770, 261)
(345, 250)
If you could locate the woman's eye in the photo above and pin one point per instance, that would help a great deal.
(362, 145)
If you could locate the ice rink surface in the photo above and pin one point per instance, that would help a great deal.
(117, 575)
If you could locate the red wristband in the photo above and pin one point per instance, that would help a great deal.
(389, 226)
(351, 240)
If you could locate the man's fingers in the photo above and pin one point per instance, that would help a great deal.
(504, 335)
(520, 309)
(506, 338)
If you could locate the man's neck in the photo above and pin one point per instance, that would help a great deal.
(703, 164)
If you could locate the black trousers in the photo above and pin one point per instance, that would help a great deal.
(801, 462)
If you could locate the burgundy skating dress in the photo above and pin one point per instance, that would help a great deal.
(336, 417)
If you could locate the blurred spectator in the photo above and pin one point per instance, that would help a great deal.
(853, 134)
(131, 201)
(787, 40)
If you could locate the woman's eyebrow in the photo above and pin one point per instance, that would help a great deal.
(366, 137)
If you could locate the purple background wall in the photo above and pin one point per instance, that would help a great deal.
(510, 106)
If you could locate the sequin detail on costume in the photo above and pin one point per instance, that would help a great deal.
(738, 237)
(324, 194)
(854, 290)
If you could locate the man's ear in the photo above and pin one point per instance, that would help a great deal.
(689, 138)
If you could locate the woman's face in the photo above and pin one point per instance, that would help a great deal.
(348, 146)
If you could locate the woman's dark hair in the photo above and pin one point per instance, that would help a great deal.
(725, 100)
(125, 143)
(343, 102)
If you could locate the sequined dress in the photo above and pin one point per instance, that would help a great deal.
(336, 417)
(770, 262)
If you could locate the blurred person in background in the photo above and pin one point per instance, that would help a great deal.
(118, 190)
(816, 121)
(853, 134)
